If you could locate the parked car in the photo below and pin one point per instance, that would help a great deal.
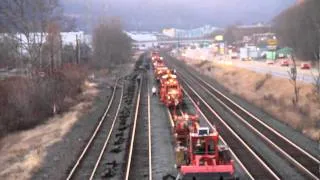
(284, 62)
(270, 62)
(234, 55)
(305, 66)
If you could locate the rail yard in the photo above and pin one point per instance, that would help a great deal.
(159, 90)
(177, 124)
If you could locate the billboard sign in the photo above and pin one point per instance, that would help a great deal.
(218, 38)
(272, 42)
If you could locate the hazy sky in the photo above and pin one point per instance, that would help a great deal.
(156, 14)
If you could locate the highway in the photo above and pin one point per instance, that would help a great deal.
(282, 72)
(256, 66)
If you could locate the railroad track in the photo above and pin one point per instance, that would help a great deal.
(139, 164)
(251, 162)
(209, 123)
(87, 163)
(305, 162)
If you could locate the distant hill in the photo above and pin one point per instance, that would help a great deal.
(184, 14)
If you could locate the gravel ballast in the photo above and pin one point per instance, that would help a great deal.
(163, 158)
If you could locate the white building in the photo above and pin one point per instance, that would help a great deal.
(143, 40)
(189, 33)
(142, 36)
(171, 32)
(68, 38)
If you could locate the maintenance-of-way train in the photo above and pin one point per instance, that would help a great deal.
(197, 150)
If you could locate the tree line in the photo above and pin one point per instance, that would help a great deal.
(299, 28)
(31, 31)
(111, 46)
(54, 72)
(30, 37)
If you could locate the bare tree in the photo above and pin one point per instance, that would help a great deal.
(229, 34)
(293, 80)
(8, 52)
(68, 54)
(316, 76)
(30, 18)
(313, 7)
(68, 23)
(54, 45)
(297, 28)
(111, 46)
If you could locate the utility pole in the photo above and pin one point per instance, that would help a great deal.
(77, 49)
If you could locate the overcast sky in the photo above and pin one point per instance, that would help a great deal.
(157, 14)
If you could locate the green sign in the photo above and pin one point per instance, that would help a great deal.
(271, 55)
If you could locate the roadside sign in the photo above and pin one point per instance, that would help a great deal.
(221, 48)
(272, 47)
(271, 55)
(272, 42)
(218, 38)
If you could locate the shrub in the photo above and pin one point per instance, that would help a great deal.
(26, 102)
(260, 83)
(201, 64)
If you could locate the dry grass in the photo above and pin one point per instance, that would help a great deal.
(272, 94)
(27, 101)
(22, 153)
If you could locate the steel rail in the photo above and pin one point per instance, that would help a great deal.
(85, 150)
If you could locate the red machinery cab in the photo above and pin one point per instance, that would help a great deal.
(158, 61)
(183, 126)
(154, 55)
(170, 90)
(159, 71)
(206, 159)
